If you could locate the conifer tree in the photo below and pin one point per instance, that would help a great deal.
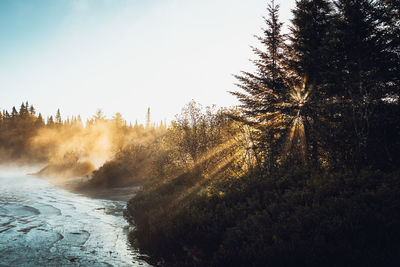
(148, 118)
(58, 118)
(23, 111)
(32, 110)
(309, 38)
(389, 12)
(6, 115)
(98, 117)
(79, 121)
(307, 65)
(369, 61)
(39, 121)
(14, 112)
(50, 121)
(119, 120)
(265, 90)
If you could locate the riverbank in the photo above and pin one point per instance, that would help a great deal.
(79, 185)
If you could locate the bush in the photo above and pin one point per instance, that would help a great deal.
(291, 218)
(132, 165)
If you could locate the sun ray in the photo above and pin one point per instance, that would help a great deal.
(297, 136)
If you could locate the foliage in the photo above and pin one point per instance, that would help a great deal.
(339, 68)
(16, 131)
(264, 92)
(131, 165)
(295, 218)
(320, 117)
(199, 139)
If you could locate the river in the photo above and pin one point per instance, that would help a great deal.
(44, 225)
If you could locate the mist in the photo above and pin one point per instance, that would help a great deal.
(68, 150)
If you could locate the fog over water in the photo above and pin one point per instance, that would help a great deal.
(43, 225)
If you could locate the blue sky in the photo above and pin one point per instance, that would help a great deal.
(125, 55)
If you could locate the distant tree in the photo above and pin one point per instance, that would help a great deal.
(119, 120)
(58, 118)
(99, 116)
(50, 121)
(67, 123)
(32, 110)
(79, 121)
(39, 121)
(148, 120)
(6, 115)
(23, 111)
(14, 112)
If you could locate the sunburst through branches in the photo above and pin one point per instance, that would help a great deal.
(296, 140)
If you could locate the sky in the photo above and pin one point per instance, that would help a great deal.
(126, 55)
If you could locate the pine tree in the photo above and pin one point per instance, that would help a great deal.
(389, 12)
(6, 115)
(309, 36)
(119, 120)
(32, 110)
(370, 72)
(23, 111)
(79, 121)
(148, 118)
(39, 121)
(50, 121)
(307, 65)
(14, 113)
(99, 116)
(265, 91)
(58, 118)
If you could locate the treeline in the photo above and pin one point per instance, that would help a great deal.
(16, 130)
(305, 172)
(68, 147)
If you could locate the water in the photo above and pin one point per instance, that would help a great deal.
(43, 225)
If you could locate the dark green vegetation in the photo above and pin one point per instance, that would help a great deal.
(291, 218)
(311, 176)
(305, 172)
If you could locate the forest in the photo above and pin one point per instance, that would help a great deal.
(304, 172)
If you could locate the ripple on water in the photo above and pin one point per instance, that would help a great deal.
(76, 239)
(21, 210)
(42, 225)
(42, 238)
(6, 223)
(47, 210)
